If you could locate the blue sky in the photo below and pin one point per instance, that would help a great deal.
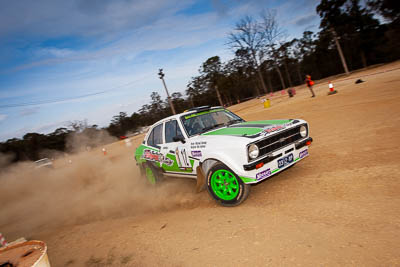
(110, 52)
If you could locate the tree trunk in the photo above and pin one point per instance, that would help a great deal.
(226, 100)
(280, 77)
(191, 101)
(269, 82)
(287, 73)
(219, 96)
(363, 58)
(256, 86)
(259, 74)
(230, 100)
(262, 80)
(301, 79)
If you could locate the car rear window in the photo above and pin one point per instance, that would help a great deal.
(155, 137)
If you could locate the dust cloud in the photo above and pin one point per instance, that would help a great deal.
(84, 141)
(5, 160)
(83, 188)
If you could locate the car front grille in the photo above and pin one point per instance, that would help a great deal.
(278, 140)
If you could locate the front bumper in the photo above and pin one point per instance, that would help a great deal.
(295, 152)
(285, 150)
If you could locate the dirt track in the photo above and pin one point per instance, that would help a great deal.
(339, 207)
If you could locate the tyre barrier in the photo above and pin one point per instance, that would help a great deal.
(30, 253)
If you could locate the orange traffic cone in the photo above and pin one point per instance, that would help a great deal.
(3, 242)
(332, 90)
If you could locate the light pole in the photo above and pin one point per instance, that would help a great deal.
(161, 74)
(340, 52)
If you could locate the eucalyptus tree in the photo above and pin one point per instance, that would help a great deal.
(248, 36)
(273, 35)
(212, 71)
(196, 90)
(352, 27)
(285, 57)
(389, 9)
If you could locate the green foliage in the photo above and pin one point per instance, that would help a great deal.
(389, 9)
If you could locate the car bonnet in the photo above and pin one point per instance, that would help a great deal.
(253, 129)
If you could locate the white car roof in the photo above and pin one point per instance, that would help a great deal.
(189, 111)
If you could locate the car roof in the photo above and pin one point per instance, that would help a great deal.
(189, 111)
(177, 116)
(43, 159)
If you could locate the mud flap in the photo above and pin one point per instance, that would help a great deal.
(201, 179)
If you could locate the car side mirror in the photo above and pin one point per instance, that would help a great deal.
(179, 138)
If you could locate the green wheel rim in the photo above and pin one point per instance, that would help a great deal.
(224, 184)
(150, 176)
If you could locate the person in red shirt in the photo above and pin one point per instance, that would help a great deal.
(310, 84)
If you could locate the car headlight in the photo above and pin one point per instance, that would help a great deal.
(303, 131)
(253, 151)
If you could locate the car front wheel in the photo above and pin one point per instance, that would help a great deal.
(225, 186)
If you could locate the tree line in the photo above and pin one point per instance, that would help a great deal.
(264, 61)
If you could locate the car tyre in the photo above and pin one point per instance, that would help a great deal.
(225, 186)
(152, 175)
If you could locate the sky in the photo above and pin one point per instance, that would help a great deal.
(62, 61)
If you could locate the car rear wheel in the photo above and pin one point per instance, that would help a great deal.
(152, 176)
(225, 186)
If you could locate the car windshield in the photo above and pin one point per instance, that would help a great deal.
(204, 121)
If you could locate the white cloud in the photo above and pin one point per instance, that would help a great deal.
(54, 52)
(49, 127)
(165, 34)
(29, 111)
(57, 18)
(122, 44)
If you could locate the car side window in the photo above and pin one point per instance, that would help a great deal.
(155, 137)
(158, 134)
(150, 141)
(172, 130)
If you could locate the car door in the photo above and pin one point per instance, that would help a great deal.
(176, 150)
(155, 141)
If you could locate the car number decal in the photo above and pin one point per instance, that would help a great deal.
(182, 158)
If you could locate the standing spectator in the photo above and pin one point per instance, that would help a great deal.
(310, 84)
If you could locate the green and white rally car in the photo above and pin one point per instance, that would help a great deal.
(225, 153)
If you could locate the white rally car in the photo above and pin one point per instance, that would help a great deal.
(222, 151)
